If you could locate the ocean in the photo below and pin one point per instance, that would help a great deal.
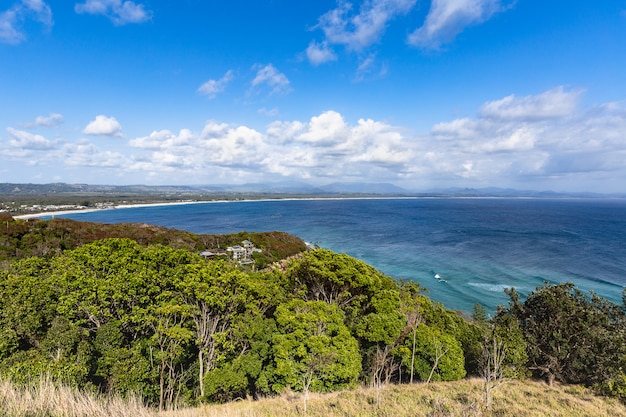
(462, 250)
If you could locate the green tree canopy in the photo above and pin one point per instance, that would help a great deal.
(313, 348)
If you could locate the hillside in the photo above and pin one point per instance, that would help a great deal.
(34, 237)
(438, 399)
(135, 309)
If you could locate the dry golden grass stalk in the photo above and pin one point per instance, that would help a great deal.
(439, 399)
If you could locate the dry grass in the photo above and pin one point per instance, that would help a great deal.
(441, 399)
(46, 399)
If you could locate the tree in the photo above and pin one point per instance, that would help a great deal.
(171, 338)
(504, 329)
(439, 355)
(479, 314)
(571, 337)
(492, 371)
(411, 300)
(322, 275)
(216, 292)
(248, 365)
(313, 349)
(27, 303)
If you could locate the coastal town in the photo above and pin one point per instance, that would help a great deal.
(14, 207)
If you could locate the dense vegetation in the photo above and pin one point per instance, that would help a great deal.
(35, 237)
(128, 316)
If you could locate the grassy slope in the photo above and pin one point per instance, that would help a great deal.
(459, 398)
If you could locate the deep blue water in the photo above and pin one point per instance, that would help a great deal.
(477, 247)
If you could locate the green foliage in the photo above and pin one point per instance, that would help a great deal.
(47, 238)
(505, 329)
(313, 349)
(479, 315)
(469, 335)
(175, 327)
(27, 301)
(614, 386)
(435, 348)
(245, 368)
(337, 279)
(571, 337)
(385, 321)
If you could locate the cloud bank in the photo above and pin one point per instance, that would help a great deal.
(544, 140)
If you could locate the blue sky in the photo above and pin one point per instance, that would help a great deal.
(423, 94)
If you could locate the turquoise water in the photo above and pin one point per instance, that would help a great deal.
(464, 251)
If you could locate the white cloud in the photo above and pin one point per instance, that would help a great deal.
(360, 29)
(52, 120)
(327, 128)
(447, 18)
(518, 140)
(270, 77)
(212, 87)
(86, 154)
(324, 146)
(163, 139)
(369, 68)
(457, 128)
(282, 132)
(118, 11)
(320, 53)
(9, 32)
(544, 139)
(378, 143)
(28, 141)
(556, 102)
(41, 11)
(238, 146)
(273, 112)
(12, 20)
(104, 126)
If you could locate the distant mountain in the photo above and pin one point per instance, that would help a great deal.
(363, 188)
(284, 188)
(281, 187)
(510, 192)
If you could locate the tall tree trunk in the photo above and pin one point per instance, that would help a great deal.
(413, 355)
(162, 386)
(201, 373)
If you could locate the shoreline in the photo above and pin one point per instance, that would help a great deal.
(91, 210)
(251, 200)
(173, 203)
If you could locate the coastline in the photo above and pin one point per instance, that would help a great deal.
(46, 214)
(173, 203)
(90, 210)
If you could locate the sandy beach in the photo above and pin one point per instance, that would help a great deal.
(88, 210)
(123, 206)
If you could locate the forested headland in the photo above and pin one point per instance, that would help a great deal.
(135, 309)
